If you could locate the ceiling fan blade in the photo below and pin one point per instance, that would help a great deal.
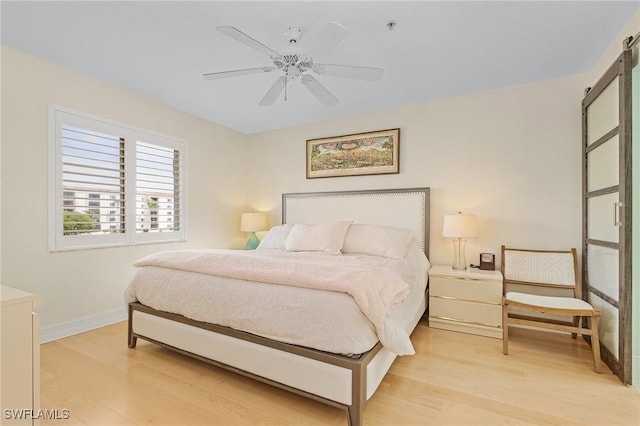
(241, 37)
(349, 71)
(318, 90)
(236, 73)
(273, 92)
(327, 36)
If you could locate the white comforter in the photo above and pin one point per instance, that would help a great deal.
(374, 288)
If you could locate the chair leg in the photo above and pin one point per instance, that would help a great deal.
(505, 328)
(595, 343)
(576, 323)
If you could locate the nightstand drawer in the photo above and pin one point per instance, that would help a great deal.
(465, 312)
(466, 289)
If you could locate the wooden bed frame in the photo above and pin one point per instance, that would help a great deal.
(337, 380)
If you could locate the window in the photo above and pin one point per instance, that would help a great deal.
(98, 169)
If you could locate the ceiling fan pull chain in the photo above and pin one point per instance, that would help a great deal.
(285, 89)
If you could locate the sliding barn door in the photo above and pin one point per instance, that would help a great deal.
(606, 143)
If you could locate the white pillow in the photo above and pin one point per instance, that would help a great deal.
(275, 238)
(322, 237)
(377, 240)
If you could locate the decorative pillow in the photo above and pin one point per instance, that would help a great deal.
(377, 240)
(275, 238)
(322, 237)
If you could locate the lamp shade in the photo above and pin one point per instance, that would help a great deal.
(253, 222)
(459, 226)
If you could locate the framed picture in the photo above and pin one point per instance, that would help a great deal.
(352, 155)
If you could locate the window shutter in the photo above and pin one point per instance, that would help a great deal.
(158, 171)
(93, 182)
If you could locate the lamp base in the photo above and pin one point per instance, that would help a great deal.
(459, 260)
(252, 242)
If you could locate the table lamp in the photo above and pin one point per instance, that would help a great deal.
(459, 226)
(253, 222)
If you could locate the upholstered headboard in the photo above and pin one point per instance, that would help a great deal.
(401, 208)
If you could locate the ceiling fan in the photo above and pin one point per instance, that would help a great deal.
(295, 63)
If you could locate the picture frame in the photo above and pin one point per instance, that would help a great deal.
(370, 153)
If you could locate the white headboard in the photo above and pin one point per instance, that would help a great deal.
(401, 208)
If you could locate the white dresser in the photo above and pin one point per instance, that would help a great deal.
(20, 362)
(467, 301)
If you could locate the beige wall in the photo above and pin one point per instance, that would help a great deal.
(510, 156)
(85, 285)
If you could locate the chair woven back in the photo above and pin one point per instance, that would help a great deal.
(537, 267)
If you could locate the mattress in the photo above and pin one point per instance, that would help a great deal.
(324, 320)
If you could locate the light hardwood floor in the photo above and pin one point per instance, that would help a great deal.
(454, 379)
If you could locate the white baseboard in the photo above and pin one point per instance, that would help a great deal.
(80, 325)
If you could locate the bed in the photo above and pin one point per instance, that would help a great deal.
(341, 376)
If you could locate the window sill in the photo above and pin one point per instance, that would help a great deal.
(117, 245)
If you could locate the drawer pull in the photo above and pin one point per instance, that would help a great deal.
(451, 277)
(467, 300)
(466, 321)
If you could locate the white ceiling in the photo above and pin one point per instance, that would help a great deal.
(160, 49)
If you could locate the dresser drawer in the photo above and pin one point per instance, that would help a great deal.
(465, 312)
(466, 289)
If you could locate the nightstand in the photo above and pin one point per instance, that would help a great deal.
(466, 301)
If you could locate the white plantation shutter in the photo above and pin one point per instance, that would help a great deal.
(158, 170)
(111, 184)
(93, 182)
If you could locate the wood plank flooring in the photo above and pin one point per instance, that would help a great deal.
(454, 379)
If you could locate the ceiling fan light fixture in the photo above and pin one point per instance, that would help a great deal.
(293, 72)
